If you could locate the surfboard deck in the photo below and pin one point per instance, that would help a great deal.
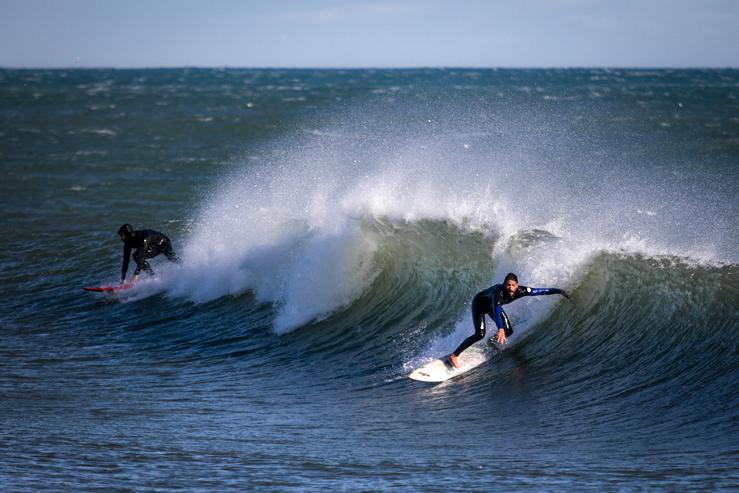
(441, 370)
(108, 289)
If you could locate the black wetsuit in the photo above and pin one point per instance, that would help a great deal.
(148, 244)
(491, 302)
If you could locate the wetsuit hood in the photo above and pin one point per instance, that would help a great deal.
(126, 230)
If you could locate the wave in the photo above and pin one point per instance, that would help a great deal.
(637, 325)
(306, 223)
(375, 223)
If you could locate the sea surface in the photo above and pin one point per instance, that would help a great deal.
(333, 227)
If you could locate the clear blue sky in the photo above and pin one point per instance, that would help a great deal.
(368, 33)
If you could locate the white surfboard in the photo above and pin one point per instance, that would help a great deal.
(440, 370)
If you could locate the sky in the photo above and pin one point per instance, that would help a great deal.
(367, 33)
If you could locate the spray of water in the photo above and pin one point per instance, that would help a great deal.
(288, 222)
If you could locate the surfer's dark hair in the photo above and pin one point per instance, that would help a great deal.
(511, 277)
(125, 230)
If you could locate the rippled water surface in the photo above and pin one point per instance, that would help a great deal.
(333, 227)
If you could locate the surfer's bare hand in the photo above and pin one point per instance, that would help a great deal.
(501, 339)
(565, 294)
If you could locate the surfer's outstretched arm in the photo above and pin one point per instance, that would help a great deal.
(501, 321)
(545, 291)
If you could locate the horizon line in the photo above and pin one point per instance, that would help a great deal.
(409, 67)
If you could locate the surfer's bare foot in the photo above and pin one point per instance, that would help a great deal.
(453, 360)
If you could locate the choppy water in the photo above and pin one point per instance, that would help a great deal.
(334, 226)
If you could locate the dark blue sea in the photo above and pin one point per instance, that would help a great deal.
(333, 227)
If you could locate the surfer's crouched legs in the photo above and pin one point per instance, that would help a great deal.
(479, 308)
(141, 264)
(151, 250)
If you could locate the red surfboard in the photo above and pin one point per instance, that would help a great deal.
(109, 289)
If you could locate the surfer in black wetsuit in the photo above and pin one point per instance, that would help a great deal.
(148, 244)
(491, 301)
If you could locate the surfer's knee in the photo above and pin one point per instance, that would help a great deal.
(478, 320)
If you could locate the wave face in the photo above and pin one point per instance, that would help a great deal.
(334, 226)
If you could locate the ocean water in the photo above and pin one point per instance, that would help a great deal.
(333, 226)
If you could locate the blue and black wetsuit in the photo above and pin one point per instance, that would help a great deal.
(491, 302)
(148, 244)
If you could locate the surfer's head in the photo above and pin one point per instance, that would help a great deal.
(125, 231)
(510, 284)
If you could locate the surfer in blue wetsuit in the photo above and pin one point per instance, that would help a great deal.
(148, 244)
(490, 302)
